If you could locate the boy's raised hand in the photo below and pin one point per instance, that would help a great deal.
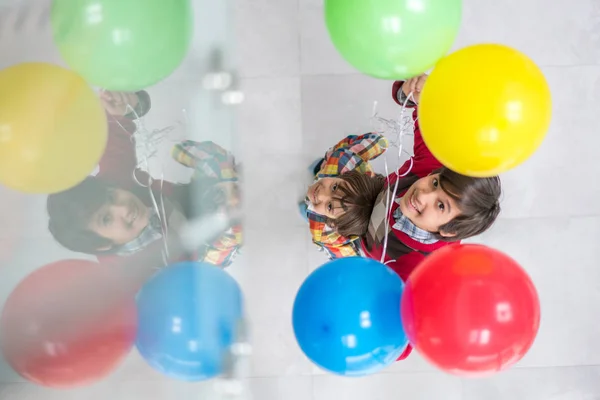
(414, 86)
(119, 104)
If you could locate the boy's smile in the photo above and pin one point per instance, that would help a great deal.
(428, 206)
(425, 203)
(121, 219)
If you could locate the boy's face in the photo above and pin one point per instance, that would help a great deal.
(321, 195)
(121, 219)
(427, 205)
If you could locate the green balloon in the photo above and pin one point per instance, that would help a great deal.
(124, 45)
(393, 39)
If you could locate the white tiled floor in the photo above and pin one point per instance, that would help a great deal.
(300, 98)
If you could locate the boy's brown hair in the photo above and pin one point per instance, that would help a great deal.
(357, 196)
(70, 212)
(477, 198)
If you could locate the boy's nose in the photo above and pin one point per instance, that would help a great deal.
(119, 211)
(323, 198)
(322, 195)
(426, 198)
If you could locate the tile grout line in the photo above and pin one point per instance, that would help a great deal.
(312, 375)
(323, 74)
(300, 99)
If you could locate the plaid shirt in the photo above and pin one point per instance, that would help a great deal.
(208, 160)
(151, 233)
(222, 252)
(212, 161)
(405, 225)
(352, 153)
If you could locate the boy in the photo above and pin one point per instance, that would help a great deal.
(349, 159)
(433, 206)
(111, 215)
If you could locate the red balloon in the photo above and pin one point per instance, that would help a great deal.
(67, 324)
(470, 310)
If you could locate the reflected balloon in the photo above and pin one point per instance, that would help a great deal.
(188, 316)
(346, 316)
(53, 129)
(54, 335)
(124, 45)
(470, 310)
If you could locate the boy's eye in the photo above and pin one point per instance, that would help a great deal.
(334, 187)
(329, 207)
(441, 206)
(106, 219)
(435, 183)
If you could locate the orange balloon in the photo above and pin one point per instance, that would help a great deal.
(57, 332)
(53, 129)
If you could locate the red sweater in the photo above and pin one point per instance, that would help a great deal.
(117, 166)
(423, 164)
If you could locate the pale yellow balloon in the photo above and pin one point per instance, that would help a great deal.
(53, 129)
(484, 110)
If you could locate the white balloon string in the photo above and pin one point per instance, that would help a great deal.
(146, 143)
(387, 197)
(162, 203)
(398, 128)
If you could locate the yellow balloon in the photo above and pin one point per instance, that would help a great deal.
(484, 110)
(53, 129)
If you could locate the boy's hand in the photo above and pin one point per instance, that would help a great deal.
(414, 85)
(119, 104)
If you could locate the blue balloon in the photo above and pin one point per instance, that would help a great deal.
(347, 316)
(187, 318)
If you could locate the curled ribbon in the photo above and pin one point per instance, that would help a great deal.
(146, 143)
(397, 129)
